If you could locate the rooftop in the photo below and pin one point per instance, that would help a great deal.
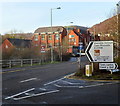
(20, 43)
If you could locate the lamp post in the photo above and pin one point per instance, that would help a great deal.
(94, 33)
(68, 26)
(51, 31)
(117, 29)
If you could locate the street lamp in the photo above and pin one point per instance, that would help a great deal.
(68, 26)
(51, 31)
(51, 14)
(117, 28)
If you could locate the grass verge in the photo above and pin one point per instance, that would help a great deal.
(98, 75)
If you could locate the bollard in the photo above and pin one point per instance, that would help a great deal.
(21, 62)
(88, 70)
(10, 64)
(31, 62)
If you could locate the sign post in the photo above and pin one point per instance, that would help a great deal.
(99, 51)
(80, 49)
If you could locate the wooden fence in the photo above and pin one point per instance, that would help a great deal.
(22, 62)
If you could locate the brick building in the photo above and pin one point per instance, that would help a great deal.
(78, 34)
(11, 43)
(47, 36)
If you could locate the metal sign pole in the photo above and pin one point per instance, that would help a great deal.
(80, 60)
(80, 49)
(52, 55)
(92, 64)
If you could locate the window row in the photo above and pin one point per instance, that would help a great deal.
(57, 37)
(72, 40)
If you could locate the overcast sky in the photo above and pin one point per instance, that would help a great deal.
(27, 16)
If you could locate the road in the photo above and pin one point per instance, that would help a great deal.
(47, 85)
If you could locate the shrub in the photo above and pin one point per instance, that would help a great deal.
(117, 60)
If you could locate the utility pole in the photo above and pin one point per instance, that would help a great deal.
(94, 32)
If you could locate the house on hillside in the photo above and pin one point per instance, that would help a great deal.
(11, 43)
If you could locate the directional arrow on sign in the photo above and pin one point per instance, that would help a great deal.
(87, 51)
(108, 65)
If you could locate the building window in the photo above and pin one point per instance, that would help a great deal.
(6, 46)
(36, 38)
(36, 44)
(72, 40)
(57, 37)
(71, 36)
(50, 37)
(50, 45)
(42, 37)
(57, 44)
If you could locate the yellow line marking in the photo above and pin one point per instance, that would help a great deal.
(73, 62)
(10, 71)
(21, 70)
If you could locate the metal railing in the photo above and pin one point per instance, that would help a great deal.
(22, 62)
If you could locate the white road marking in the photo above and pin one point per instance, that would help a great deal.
(70, 82)
(82, 86)
(93, 85)
(28, 80)
(57, 85)
(67, 86)
(67, 82)
(20, 93)
(99, 84)
(39, 94)
(53, 81)
(69, 75)
(43, 89)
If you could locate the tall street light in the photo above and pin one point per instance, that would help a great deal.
(68, 26)
(117, 28)
(51, 31)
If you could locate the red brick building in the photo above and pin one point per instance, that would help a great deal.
(11, 43)
(76, 35)
(47, 36)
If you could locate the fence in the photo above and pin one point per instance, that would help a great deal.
(22, 62)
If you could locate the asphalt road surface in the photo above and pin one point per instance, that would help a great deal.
(47, 85)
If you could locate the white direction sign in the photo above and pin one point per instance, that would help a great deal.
(108, 65)
(100, 51)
